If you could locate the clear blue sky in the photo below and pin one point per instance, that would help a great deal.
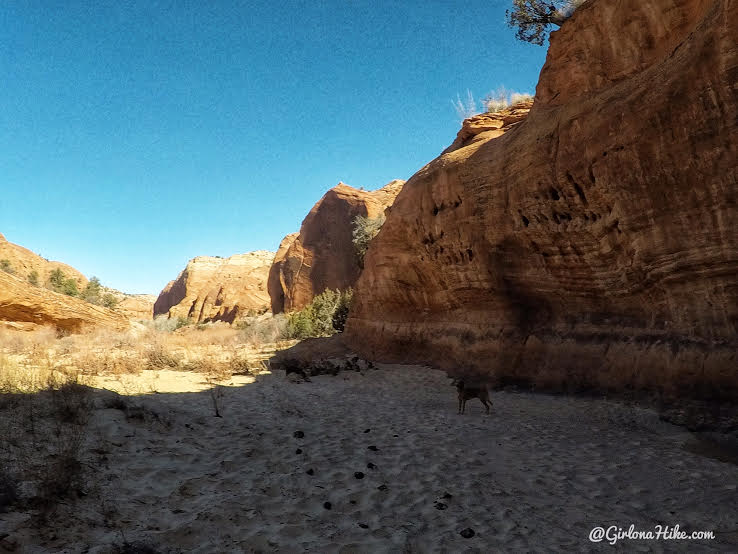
(137, 135)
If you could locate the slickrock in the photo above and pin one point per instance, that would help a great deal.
(592, 243)
(218, 289)
(23, 262)
(24, 306)
(322, 255)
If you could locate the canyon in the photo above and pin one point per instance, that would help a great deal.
(590, 243)
(322, 255)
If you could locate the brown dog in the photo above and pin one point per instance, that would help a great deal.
(467, 392)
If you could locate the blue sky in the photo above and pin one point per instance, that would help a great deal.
(137, 135)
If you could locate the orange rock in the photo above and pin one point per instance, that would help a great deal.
(218, 289)
(23, 306)
(322, 255)
(592, 243)
(23, 262)
(136, 306)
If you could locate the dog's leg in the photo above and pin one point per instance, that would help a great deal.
(463, 406)
(459, 412)
(487, 404)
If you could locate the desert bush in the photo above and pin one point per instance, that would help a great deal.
(258, 332)
(44, 436)
(6, 266)
(33, 278)
(323, 317)
(158, 357)
(167, 324)
(92, 291)
(497, 100)
(365, 229)
(533, 18)
(109, 301)
(58, 282)
(520, 98)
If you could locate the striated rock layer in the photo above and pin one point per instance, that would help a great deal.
(218, 289)
(25, 307)
(322, 255)
(593, 243)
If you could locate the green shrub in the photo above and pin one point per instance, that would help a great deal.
(109, 301)
(33, 278)
(6, 266)
(58, 282)
(323, 317)
(365, 229)
(92, 292)
(534, 17)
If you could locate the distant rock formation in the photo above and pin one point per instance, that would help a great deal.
(218, 289)
(26, 307)
(135, 306)
(322, 255)
(593, 243)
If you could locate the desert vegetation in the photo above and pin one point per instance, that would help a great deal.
(497, 100)
(323, 317)
(532, 19)
(365, 229)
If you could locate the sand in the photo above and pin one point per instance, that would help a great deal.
(401, 470)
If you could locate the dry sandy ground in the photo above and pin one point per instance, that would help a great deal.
(535, 475)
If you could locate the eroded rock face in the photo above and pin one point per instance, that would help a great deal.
(593, 243)
(25, 307)
(322, 255)
(218, 289)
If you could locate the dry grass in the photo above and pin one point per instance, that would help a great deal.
(29, 359)
(46, 449)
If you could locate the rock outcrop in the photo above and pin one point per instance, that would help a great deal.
(322, 255)
(135, 306)
(22, 262)
(218, 289)
(26, 307)
(592, 244)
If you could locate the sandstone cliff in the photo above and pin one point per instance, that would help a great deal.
(22, 262)
(218, 289)
(593, 243)
(322, 255)
(23, 306)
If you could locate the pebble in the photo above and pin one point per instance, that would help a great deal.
(467, 533)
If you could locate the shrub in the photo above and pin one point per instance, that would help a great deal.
(109, 301)
(520, 98)
(365, 229)
(58, 282)
(264, 331)
(534, 17)
(6, 266)
(497, 100)
(92, 291)
(33, 278)
(167, 324)
(323, 317)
